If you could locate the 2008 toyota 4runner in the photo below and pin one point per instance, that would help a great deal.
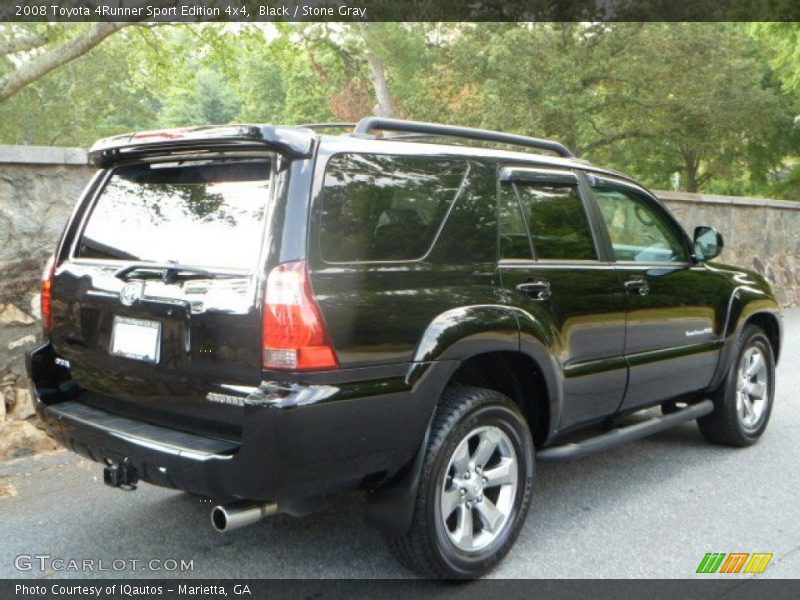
(269, 315)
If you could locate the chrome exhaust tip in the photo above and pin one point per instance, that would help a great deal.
(226, 517)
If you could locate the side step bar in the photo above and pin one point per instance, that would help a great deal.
(621, 435)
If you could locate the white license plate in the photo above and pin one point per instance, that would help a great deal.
(136, 338)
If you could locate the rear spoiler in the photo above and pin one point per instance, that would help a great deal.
(294, 142)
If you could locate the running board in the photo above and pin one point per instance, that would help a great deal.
(621, 435)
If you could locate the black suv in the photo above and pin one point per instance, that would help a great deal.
(267, 315)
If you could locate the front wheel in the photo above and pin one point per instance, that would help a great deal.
(475, 486)
(743, 402)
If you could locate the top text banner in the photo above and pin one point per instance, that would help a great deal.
(397, 10)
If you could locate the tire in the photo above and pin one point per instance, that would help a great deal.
(743, 403)
(468, 423)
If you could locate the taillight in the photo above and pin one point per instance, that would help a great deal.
(294, 335)
(47, 294)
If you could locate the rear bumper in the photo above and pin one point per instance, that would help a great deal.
(299, 442)
(160, 456)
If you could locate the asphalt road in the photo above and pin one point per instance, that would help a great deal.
(650, 509)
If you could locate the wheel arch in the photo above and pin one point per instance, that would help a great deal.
(754, 304)
(771, 324)
(492, 341)
(750, 302)
(467, 346)
(515, 375)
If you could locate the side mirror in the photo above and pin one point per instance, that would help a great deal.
(707, 243)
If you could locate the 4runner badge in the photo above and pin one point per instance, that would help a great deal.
(225, 399)
(131, 293)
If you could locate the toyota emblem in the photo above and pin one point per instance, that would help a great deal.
(131, 293)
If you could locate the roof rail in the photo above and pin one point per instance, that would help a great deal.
(327, 125)
(368, 124)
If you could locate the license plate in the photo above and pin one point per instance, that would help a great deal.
(136, 338)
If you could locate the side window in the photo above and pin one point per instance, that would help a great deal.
(638, 230)
(557, 221)
(378, 207)
(514, 242)
(469, 234)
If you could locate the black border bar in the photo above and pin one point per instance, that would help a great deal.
(731, 588)
(398, 10)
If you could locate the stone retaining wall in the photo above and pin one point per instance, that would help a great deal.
(38, 188)
(763, 235)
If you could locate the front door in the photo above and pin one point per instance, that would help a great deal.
(552, 268)
(673, 318)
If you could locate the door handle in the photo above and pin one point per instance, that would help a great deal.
(637, 285)
(537, 289)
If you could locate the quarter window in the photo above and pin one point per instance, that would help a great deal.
(639, 232)
(377, 207)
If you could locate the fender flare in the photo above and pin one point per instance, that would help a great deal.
(451, 338)
(748, 299)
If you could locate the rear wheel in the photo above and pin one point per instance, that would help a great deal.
(474, 489)
(743, 402)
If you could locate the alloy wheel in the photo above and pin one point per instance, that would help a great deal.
(479, 488)
(752, 388)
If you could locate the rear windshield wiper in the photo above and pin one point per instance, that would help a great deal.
(170, 273)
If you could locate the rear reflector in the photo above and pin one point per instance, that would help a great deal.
(294, 334)
(46, 298)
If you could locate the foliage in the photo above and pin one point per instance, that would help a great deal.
(781, 43)
(83, 100)
(651, 99)
(715, 102)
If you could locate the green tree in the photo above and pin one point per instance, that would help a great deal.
(648, 98)
(781, 43)
(29, 51)
(104, 93)
(707, 105)
(716, 102)
(204, 100)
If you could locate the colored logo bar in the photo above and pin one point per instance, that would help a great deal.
(734, 562)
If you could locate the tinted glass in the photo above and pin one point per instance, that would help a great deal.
(514, 242)
(469, 234)
(200, 214)
(380, 207)
(557, 222)
(638, 230)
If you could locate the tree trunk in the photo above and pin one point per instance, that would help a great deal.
(691, 179)
(691, 163)
(28, 72)
(377, 68)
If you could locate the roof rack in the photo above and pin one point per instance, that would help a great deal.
(327, 125)
(368, 124)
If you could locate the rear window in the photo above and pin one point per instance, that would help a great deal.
(378, 207)
(194, 213)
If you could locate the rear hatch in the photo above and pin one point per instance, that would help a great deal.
(156, 304)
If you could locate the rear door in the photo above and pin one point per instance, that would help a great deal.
(675, 308)
(155, 305)
(553, 269)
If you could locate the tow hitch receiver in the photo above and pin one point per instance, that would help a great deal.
(121, 475)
